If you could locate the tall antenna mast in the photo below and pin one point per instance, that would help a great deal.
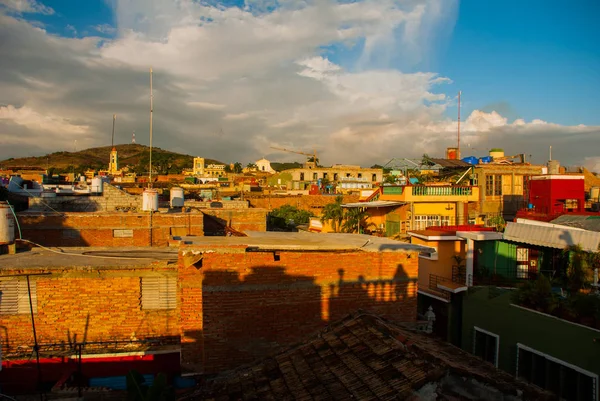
(151, 107)
(112, 142)
(551, 152)
(458, 141)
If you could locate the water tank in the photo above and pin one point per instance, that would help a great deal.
(470, 160)
(496, 153)
(150, 200)
(594, 194)
(7, 224)
(486, 159)
(452, 153)
(553, 167)
(177, 198)
(97, 185)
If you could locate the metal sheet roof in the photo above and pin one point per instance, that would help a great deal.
(373, 204)
(591, 223)
(451, 163)
(552, 237)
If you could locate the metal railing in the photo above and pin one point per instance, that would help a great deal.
(423, 190)
(434, 280)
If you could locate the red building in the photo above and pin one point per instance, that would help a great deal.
(556, 194)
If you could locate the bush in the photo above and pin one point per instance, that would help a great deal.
(287, 217)
(537, 295)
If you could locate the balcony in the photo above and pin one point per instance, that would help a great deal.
(431, 193)
(423, 190)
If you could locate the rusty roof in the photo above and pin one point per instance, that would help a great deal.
(365, 357)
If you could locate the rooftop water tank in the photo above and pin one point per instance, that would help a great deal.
(150, 200)
(470, 160)
(7, 224)
(177, 198)
(496, 153)
(97, 185)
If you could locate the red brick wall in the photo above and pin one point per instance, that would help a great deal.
(241, 219)
(97, 229)
(91, 304)
(252, 305)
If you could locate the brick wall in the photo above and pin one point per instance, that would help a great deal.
(251, 305)
(241, 219)
(108, 229)
(91, 304)
(311, 203)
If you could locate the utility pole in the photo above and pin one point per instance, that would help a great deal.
(458, 141)
(151, 109)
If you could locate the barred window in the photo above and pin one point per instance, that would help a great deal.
(14, 297)
(158, 292)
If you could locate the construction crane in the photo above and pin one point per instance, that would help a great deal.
(313, 155)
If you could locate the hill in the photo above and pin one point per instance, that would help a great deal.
(134, 156)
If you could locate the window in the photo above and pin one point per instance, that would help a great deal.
(158, 292)
(493, 185)
(315, 176)
(424, 221)
(486, 345)
(335, 176)
(359, 175)
(567, 381)
(522, 263)
(325, 176)
(374, 177)
(14, 297)
(301, 176)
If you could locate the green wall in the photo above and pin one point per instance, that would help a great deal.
(490, 308)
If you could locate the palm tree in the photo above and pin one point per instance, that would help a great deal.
(578, 268)
(355, 219)
(334, 212)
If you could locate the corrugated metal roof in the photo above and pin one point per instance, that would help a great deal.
(552, 237)
(373, 204)
(591, 223)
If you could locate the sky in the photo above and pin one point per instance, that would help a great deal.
(360, 82)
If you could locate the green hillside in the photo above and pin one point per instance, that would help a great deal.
(134, 156)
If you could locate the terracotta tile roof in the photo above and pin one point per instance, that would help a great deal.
(364, 357)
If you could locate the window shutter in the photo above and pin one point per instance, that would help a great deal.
(158, 293)
(14, 297)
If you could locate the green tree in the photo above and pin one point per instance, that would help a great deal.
(237, 167)
(287, 216)
(334, 212)
(578, 268)
(251, 165)
(356, 220)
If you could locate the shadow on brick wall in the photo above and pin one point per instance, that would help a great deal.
(247, 318)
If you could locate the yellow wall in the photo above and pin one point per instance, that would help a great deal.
(443, 266)
(442, 209)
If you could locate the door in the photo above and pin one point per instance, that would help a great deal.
(522, 263)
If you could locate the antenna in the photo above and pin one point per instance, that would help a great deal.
(133, 137)
(151, 106)
(550, 152)
(112, 142)
(458, 139)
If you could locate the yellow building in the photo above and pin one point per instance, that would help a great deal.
(428, 205)
(201, 169)
(113, 164)
(346, 178)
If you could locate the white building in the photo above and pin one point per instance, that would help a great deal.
(263, 165)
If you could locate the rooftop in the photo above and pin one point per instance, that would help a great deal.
(366, 357)
(306, 241)
(88, 257)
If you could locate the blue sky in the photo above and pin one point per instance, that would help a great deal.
(277, 72)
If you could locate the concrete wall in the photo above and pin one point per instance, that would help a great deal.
(111, 199)
(239, 306)
(490, 308)
(310, 203)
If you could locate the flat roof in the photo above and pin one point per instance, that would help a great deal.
(434, 235)
(95, 257)
(307, 241)
(373, 204)
(557, 177)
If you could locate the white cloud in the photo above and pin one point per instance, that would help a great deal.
(33, 120)
(231, 82)
(26, 6)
